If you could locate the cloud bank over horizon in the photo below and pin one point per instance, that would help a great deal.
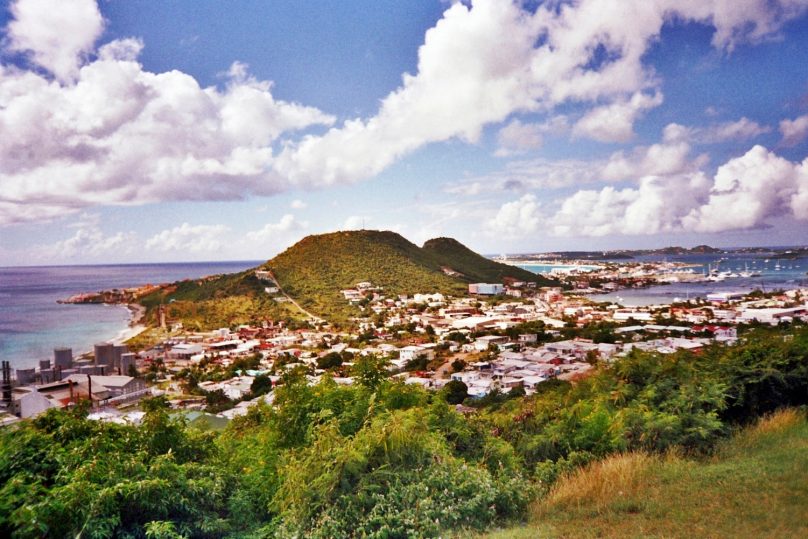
(84, 125)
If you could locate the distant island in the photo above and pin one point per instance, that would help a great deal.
(627, 254)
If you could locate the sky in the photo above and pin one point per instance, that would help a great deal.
(148, 131)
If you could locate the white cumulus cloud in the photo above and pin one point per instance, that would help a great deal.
(516, 219)
(746, 192)
(274, 231)
(750, 189)
(55, 34)
(794, 131)
(615, 122)
(109, 132)
(191, 238)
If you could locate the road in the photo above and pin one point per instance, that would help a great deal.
(292, 300)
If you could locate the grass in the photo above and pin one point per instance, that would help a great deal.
(756, 485)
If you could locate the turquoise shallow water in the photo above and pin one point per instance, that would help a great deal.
(32, 323)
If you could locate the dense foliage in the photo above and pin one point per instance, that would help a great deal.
(477, 268)
(380, 458)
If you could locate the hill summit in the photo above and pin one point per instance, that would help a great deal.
(473, 267)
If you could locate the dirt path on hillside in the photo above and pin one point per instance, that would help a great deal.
(292, 300)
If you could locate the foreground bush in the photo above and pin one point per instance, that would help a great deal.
(381, 459)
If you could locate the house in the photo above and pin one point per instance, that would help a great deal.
(28, 402)
(409, 353)
(486, 289)
(482, 343)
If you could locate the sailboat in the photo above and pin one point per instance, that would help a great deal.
(746, 273)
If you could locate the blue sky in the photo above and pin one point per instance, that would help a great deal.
(200, 130)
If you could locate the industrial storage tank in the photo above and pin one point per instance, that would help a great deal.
(118, 351)
(63, 357)
(104, 354)
(26, 376)
(46, 376)
(127, 360)
(44, 364)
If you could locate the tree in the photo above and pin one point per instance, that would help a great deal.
(370, 371)
(261, 385)
(458, 365)
(517, 391)
(418, 363)
(455, 392)
(457, 337)
(329, 361)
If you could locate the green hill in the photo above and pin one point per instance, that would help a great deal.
(314, 271)
(473, 267)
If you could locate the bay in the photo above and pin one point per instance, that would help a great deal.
(775, 274)
(32, 323)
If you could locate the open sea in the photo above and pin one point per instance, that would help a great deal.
(32, 324)
(782, 274)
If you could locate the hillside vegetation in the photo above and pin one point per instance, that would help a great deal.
(217, 301)
(473, 267)
(384, 459)
(315, 269)
(753, 486)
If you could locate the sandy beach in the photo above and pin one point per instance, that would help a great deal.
(136, 327)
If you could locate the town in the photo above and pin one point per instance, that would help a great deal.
(499, 341)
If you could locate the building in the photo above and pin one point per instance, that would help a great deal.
(482, 344)
(409, 353)
(114, 389)
(104, 354)
(486, 289)
(185, 351)
(772, 315)
(30, 401)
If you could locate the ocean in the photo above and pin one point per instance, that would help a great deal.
(32, 323)
(775, 273)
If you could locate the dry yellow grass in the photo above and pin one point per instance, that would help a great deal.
(601, 484)
(774, 423)
(754, 486)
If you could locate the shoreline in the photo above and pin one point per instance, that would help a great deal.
(135, 325)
